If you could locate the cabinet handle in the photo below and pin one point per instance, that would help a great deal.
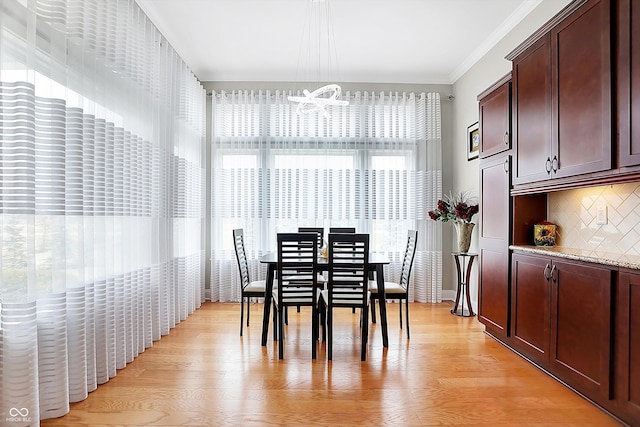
(506, 138)
(554, 164)
(505, 165)
(546, 268)
(551, 276)
(547, 165)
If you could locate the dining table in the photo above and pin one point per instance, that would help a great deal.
(377, 261)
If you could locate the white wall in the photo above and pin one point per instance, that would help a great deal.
(489, 69)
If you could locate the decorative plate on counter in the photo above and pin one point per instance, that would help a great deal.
(544, 234)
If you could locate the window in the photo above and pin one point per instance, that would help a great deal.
(277, 171)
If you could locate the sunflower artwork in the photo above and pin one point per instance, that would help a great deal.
(544, 234)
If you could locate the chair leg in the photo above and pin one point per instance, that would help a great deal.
(323, 318)
(281, 329)
(365, 334)
(248, 310)
(366, 322)
(241, 313)
(330, 333)
(275, 321)
(298, 309)
(373, 309)
(407, 315)
(314, 332)
(400, 311)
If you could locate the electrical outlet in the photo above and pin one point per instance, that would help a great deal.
(601, 218)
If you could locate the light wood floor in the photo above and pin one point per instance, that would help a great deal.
(450, 373)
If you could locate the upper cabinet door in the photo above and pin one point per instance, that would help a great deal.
(495, 123)
(628, 17)
(532, 112)
(582, 139)
(562, 113)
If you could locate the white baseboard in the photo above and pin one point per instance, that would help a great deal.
(448, 295)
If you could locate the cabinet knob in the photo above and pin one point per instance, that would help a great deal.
(506, 138)
(505, 165)
(554, 164)
(551, 276)
(547, 165)
(546, 269)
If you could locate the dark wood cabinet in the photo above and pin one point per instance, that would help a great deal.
(627, 338)
(532, 112)
(495, 217)
(582, 137)
(495, 118)
(531, 306)
(561, 319)
(575, 85)
(628, 82)
(580, 351)
(562, 97)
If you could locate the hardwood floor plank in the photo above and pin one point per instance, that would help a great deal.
(450, 373)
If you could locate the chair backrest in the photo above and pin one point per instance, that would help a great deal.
(241, 257)
(318, 230)
(409, 255)
(297, 268)
(348, 269)
(342, 230)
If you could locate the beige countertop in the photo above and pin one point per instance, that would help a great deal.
(587, 255)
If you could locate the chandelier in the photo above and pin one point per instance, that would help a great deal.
(319, 51)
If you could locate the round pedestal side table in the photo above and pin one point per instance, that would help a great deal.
(464, 261)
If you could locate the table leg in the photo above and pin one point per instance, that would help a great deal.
(267, 302)
(463, 268)
(458, 287)
(383, 304)
(468, 277)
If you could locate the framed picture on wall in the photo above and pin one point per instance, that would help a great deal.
(473, 141)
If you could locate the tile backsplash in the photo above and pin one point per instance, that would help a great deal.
(575, 212)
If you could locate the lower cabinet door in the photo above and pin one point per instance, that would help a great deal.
(530, 305)
(627, 373)
(493, 295)
(581, 327)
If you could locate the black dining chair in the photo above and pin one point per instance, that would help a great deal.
(320, 232)
(248, 289)
(347, 285)
(342, 229)
(297, 282)
(400, 290)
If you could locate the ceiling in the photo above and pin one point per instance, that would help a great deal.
(376, 41)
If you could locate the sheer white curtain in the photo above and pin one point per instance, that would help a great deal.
(101, 197)
(373, 165)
